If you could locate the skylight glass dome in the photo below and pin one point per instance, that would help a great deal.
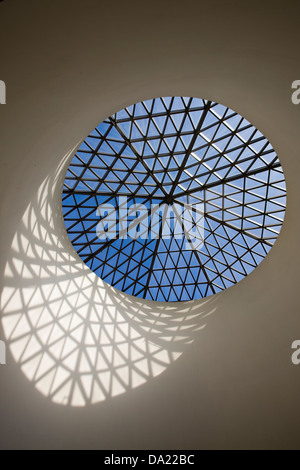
(135, 178)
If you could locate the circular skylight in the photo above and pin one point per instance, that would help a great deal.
(174, 199)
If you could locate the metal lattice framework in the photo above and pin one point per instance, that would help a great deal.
(183, 151)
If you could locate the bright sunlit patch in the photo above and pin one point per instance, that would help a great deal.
(78, 340)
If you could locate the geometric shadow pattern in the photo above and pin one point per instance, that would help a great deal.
(175, 151)
(77, 340)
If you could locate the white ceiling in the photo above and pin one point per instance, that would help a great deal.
(223, 377)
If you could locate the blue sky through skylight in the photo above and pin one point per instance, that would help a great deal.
(183, 151)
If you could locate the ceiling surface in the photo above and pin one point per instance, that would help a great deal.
(214, 373)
